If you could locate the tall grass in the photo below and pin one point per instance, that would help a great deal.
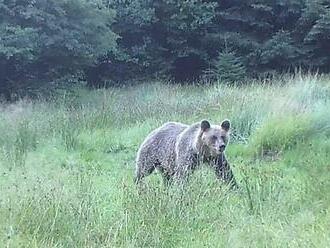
(66, 168)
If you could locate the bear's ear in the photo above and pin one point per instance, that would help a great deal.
(205, 125)
(225, 125)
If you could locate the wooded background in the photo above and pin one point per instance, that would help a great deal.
(48, 43)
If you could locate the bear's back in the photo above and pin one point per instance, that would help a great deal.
(159, 146)
(165, 134)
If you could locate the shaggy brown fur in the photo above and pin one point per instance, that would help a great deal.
(176, 149)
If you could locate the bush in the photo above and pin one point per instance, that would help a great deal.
(282, 133)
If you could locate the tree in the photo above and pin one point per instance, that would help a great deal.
(160, 38)
(227, 68)
(186, 24)
(178, 39)
(279, 52)
(137, 52)
(47, 39)
(318, 40)
(42, 41)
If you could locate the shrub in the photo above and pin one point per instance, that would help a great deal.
(279, 134)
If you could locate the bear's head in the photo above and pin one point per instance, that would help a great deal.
(214, 139)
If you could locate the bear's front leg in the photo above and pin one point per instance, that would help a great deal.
(184, 167)
(223, 170)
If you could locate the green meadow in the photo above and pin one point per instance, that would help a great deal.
(67, 168)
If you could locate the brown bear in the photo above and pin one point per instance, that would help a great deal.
(176, 149)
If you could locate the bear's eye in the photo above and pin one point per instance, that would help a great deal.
(214, 137)
(223, 137)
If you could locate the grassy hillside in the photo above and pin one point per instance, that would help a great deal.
(66, 168)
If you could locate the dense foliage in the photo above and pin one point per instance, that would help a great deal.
(44, 40)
